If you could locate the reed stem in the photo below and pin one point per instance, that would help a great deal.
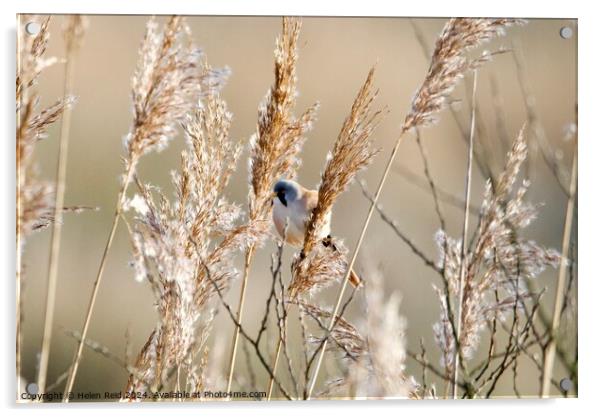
(97, 282)
(278, 350)
(464, 238)
(343, 286)
(550, 353)
(61, 175)
(239, 315)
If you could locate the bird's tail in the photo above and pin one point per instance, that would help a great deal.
(355, 280)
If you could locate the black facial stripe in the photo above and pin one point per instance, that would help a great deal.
(280, 196)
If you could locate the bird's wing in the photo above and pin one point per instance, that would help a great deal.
(311, 200)
(302, 209)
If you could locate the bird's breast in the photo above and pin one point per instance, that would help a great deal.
(290, 218)
(294, 217)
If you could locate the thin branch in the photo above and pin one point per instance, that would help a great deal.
(243, 332)
(393, 224)
(430, 180)
(250, 371)
(535, 123)
(434, 369)
(443, 195)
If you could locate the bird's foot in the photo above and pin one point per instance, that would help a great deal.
(327, 242)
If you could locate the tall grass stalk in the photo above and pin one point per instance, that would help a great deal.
(239, 313)
(550, 353)
(97, 282)
(73, 34)
(35, 201)
(465, 236)
(276, 360)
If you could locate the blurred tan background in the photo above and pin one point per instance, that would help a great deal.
(335, 56)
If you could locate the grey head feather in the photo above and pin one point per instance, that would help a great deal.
(287, 191)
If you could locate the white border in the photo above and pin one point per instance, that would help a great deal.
(308, 7)
(590, 289)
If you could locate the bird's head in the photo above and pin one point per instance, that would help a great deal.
(287, 191)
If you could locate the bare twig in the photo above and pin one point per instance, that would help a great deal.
(535, 124)
(443, 195)
(430, 180)
(393, 224)
(243, 332)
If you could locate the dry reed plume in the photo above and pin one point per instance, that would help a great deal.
(35, 202)
(449, 64)
(280, 135)
(274, 148)
(170, 78)
(374, 352)
(185, 248)
(498, 264)
(318, 265)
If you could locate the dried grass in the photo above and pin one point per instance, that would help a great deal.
(319, 266)
(73, 35)
(449, 64)
(499, 263)
(185, 248)
(274, 148)
(280, 135)
(35, 196)
(35, 200)
(169, 79)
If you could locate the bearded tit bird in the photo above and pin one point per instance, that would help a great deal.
(292, 207)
